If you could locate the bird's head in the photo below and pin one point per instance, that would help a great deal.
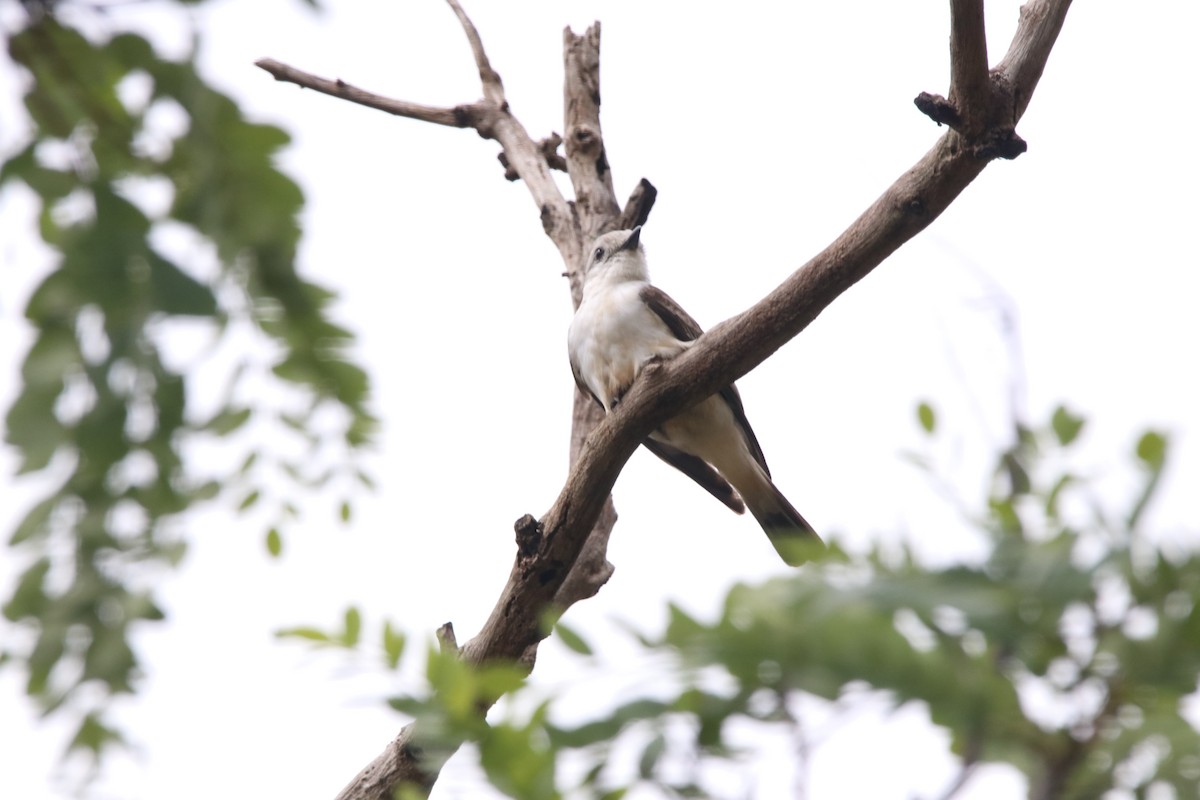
(616, 257)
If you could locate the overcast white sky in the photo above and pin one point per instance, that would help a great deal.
(766, 131)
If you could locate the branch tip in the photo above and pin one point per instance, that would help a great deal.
(493, 87)
(638, 206)
(458, 117)
(447, 639)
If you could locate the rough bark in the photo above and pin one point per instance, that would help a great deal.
(561, 557)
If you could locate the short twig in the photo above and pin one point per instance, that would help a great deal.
(938, 109)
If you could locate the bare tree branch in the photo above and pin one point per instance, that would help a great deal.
(464, 116)
(637, 207)
(522, 156)
(493, 87)
(970, 89)
(587, 160)
(1021, 68)
(548, 572)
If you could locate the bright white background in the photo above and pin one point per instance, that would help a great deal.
(766, 129)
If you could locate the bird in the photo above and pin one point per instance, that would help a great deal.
(624, 322)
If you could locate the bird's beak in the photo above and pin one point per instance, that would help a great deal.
(632, 242)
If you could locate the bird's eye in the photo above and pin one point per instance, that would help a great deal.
(598, 255)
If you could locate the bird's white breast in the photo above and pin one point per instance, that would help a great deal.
(612, 336)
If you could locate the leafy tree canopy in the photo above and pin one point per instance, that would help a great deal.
(162, 204)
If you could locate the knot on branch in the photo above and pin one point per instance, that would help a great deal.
(585, 139)
(549, 147)
(999, 143)
(938, 109)
(464, 116)
(447, 639)
(529, 535)
(913, 206)
(994, 141)
(549, 150)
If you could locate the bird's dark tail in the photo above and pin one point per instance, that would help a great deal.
(793, 538)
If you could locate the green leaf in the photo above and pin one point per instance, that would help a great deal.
(573, 640)
(1066, 425)
(365, 479)
(206, 491)
(412, 706)
(249, 500)
(1012, 467)
(344, 511)
(227, 421)
(32, 428)
(177, 293)
(94, 736)
(29, 599)
(36, 522)
(248, 463)
(306, 633)
(652, 753)
(497, 680)
(352, 627)
(109, 658)
(393, 645)
(274, 542)
(1052, 499)
(51, 184)
(518, 763)
(926, 417)
(606, 728)
(1152, 450)
(47, 651)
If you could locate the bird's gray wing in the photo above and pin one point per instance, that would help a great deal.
(698, 470)
(680, 323)
(686, 329)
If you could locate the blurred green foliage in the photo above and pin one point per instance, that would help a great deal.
(1074, 606)
(1073, 599)
(105, 417)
